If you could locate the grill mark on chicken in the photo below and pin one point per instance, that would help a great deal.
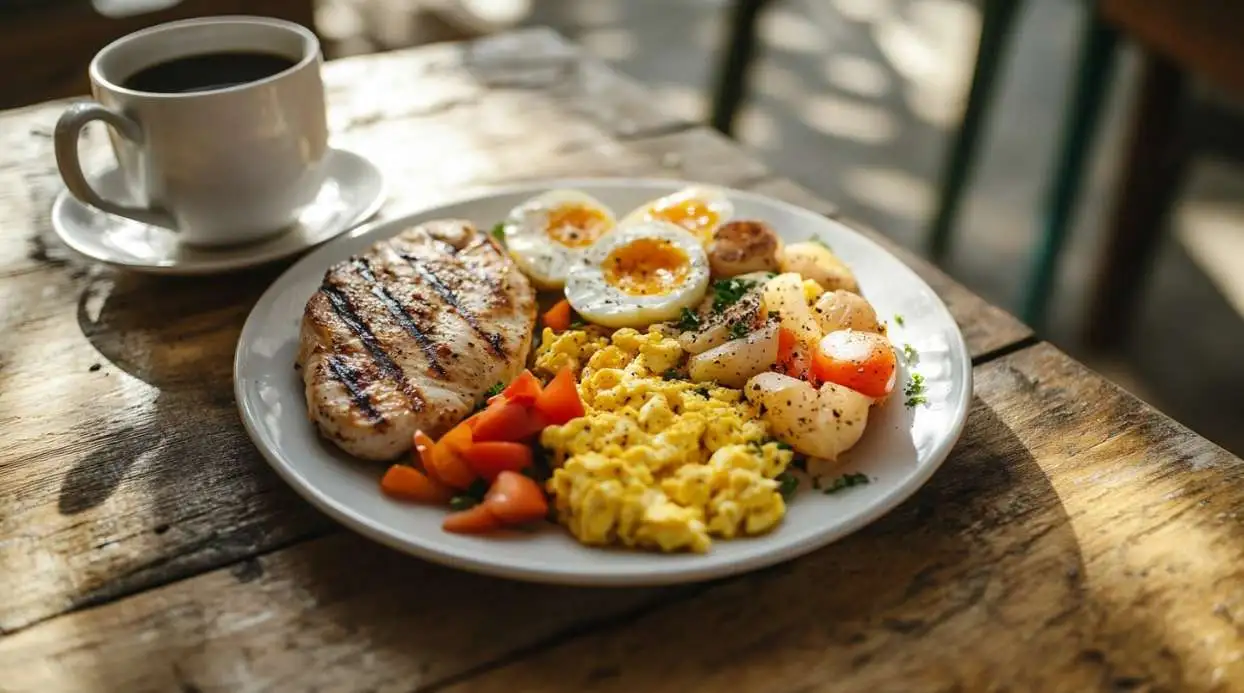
(446, 293)
(345, 311)
(349, 378)
(398, 311)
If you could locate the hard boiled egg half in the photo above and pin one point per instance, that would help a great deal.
(699, 209)
(549, 233)
(639, 275)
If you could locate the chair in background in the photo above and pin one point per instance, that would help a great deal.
(1197, 36)
(46, 45)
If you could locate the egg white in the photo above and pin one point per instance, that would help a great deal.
(594, 298)
(715, 199)
(543, 259)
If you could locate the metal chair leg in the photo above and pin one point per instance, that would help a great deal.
(737, 57)
(997, 20)
(1080, 126)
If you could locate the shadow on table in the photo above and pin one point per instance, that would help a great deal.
(178, 336)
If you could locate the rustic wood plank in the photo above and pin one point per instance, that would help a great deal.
(1077, 540)
(123, 465)
(395, 624)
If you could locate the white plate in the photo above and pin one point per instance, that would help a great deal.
(353, 190)
(900, 450)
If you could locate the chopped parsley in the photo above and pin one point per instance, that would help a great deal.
(702, 391)
(577, 324)
(671, 374)
(910, 354)
(787, 484)
(689, 320)
(739, 330)
(821, 242)
(783, 446)
(489, 394)
(463, 502)
(844, 482)
(498, 232)
(727, 292)
(915, 391)
(898, 319)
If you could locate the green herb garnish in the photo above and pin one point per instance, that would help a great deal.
(689, 320)
(739, 330)
(671, 374)
(727, 292)
(787, 484)
(821, 242)
(909, 354)
(898, 319)
(846, 481)
(783, 446)
(915, 390)
(463, 502)
(702, 391)
(498, 232)
(494, 390)
(577, 324)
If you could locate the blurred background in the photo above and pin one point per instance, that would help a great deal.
(1093, 187)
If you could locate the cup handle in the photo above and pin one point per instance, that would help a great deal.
(65, 140)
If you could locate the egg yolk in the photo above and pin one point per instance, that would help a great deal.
(693, 215)
(575, 226)
(647, 267)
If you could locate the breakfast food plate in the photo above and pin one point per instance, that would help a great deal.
(305, 419)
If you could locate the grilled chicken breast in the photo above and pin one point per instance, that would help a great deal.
(410, 335)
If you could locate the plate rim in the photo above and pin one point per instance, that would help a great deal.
(466, 560)
(235, 263)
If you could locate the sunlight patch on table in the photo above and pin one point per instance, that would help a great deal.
(867, 11)
(759, 129)
(1213, 234)
(891, 190)
(856, 74)
(785, 30)
(933, 47)
(848, 118)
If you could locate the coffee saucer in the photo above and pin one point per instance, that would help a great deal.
(353, 190)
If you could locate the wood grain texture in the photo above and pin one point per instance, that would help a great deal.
(123, 464)
(1077, 540)
(1203, 36)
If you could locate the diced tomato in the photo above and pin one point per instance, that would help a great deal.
(506, 421)
(514, 499)
(557, 318)
(488, 459)
(476, 520)
(407, 483)
(560, 400)
(862, 361)
(524, 390)
(447, 465)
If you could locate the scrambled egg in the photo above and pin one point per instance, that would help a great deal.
(656, 463)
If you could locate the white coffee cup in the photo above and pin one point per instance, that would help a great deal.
(221, 166)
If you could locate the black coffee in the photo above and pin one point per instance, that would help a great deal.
(207, 71)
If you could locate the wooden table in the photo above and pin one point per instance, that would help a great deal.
(1075, 540)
